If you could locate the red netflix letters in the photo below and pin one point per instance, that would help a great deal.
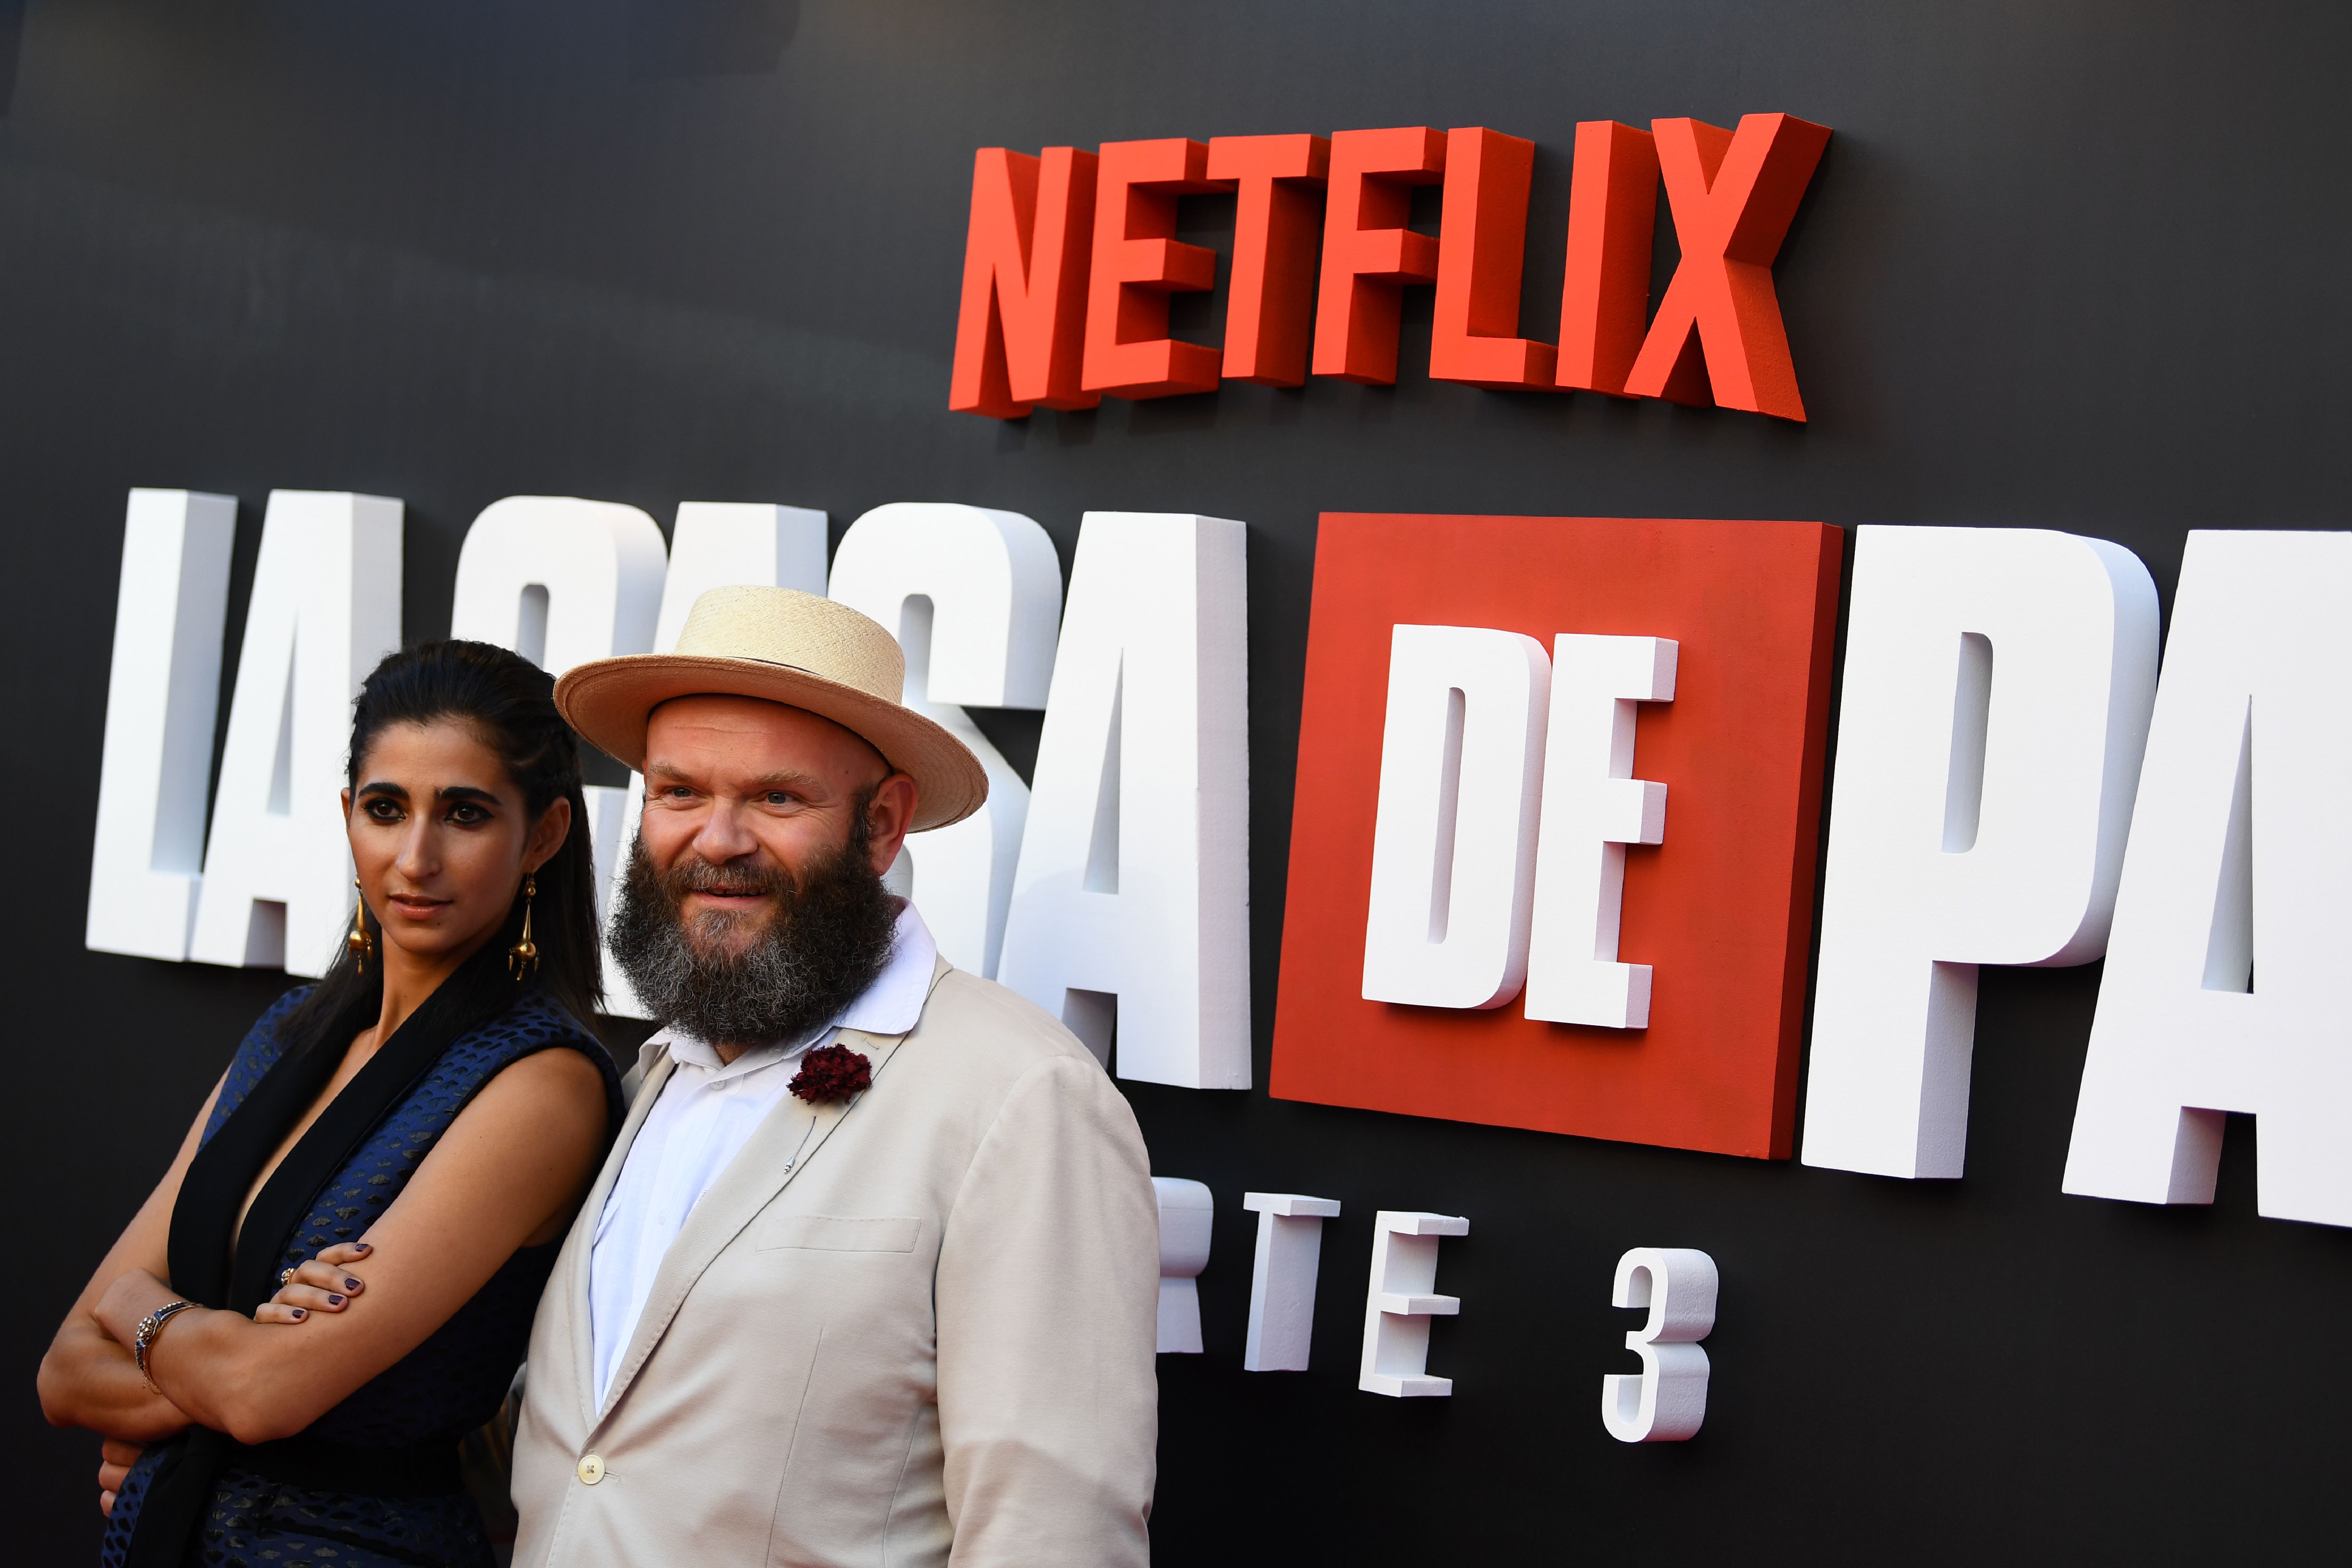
(1138, 264)
(1269, 311)
(1070, 258)
(1733, 195)
(1604, 292)
(1369, 254)
(1480, 250)
(1025, 274)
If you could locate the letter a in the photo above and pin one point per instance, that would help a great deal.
(277, 888)
(2226, 986)
(1130, 905)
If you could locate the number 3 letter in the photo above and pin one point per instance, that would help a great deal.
(1667, 1401)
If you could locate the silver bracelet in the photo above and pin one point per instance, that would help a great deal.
(149, 1327)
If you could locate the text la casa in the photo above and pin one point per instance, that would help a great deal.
(2014, 784)
(1142, 678)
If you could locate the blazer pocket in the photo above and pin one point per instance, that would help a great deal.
(839, 1233)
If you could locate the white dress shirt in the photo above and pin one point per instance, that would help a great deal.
(707, 1112)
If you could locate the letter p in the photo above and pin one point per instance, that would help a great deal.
(1998, 688)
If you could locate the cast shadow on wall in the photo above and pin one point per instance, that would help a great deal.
(674, 39)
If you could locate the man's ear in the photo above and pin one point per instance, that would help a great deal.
(888, 816)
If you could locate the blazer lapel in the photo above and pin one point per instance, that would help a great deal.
(583, 1233)
(779, 1150)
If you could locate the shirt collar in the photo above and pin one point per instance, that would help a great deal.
(892, 1004)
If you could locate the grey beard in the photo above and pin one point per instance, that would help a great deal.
(831, 934)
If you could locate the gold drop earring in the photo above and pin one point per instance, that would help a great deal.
(523, 956)
(361, 945)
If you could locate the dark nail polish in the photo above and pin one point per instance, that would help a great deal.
(335, 1301)
(300, 1312)
(349, 1285)
(364, 1246)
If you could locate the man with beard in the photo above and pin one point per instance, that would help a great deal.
(871, 1273)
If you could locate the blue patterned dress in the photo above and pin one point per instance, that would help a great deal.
(443, 1389)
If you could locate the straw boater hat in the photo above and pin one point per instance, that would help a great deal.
(790, 647)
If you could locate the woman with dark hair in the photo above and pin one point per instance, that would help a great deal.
(413, 1109)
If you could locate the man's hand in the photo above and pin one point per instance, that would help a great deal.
(114, 1461)
(325, 1284)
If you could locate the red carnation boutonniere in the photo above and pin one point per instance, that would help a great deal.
(831, 1073)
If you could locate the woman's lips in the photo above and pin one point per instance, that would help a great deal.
(416, 908)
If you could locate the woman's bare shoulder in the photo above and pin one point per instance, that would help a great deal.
(559, 1080)
(530, 1136)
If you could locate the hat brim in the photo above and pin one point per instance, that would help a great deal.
(610, 700)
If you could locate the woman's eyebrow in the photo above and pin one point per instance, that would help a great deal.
(383, 787)
(466, 792)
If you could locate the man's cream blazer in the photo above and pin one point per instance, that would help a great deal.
(917, 1330)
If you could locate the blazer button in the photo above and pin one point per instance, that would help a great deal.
(592, 1470)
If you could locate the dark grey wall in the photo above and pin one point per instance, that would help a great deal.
(2072, 267)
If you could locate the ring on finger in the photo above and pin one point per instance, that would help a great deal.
(286, 1275)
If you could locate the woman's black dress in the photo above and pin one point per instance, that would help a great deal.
(373, 1482)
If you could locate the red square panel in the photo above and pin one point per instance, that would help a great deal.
(1722, 909)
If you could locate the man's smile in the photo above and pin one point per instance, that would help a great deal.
(732, 898)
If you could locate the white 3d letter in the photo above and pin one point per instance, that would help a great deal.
(1667, 1401)
(1997, 684)
(161, 695)
(562, 580)
(1397, 1314)
(1282, 1281)
(1131, 903)
(975, 598)
(2227, 984)
(723, 544)
(1454, 847)
(1187, 1215)
(559, 580)
(1594, 807)
(325, 608)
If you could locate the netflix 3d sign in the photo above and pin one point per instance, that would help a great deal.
(1559, 803)
(1071, 257)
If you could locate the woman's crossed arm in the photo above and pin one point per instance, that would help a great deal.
(508, 1171)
